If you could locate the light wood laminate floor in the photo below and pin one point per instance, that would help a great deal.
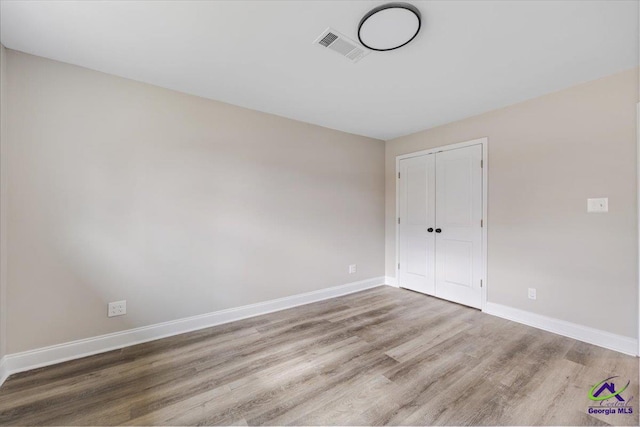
(382, 356)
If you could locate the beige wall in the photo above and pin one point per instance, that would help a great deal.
(546, 157)
(3, 112)
(180, 205)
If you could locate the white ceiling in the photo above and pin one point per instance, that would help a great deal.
(470, 56)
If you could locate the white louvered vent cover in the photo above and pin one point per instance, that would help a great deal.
(340, 43)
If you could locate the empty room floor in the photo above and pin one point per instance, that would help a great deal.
(381, 356)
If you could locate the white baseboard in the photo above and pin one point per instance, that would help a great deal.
(32, 359)
(391, 281)
(594, 336)
(4, 372)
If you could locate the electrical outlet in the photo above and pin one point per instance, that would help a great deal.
(353, 268)
(532, 293)
(117, 308)
(598, 205)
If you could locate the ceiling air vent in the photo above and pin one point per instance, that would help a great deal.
(341, 44)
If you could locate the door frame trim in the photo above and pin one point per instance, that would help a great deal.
(638, 210)
(484, 142)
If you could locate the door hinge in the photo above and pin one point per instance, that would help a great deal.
(481, 223)
(481, 164)
(398, 266)
(480, 282)
(398, 220)
(398, 175)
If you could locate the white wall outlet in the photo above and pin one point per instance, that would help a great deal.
(532, 293)
(117, 308)
(353, 268)
(598, 205)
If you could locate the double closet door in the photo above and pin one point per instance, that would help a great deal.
(440, 224)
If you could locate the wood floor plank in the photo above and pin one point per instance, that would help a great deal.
(384, 356)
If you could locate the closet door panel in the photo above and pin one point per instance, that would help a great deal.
(458, 214)
(417, 209)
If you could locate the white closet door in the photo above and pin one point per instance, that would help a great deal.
(417, 209)
(458, 230)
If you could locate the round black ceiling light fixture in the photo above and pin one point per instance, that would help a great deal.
(389, 26)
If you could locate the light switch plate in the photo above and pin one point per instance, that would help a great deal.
(353, 268)
(598, 205)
